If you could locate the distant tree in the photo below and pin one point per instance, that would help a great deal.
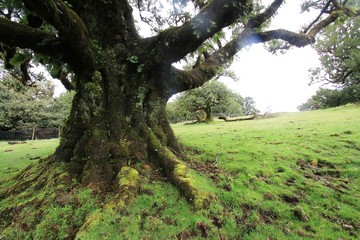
(328, 98)
(60, 108)
(324, 98)
(249, 107)
(28, 107)
(233, 107)
(176, 112)
(203, 101)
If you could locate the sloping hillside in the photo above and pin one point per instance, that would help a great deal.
(293, 176)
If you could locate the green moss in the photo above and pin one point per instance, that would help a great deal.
(97, 77)
(124, 147)
(128, 178)
(199, 198)
(179, 174)
(180, 171)
(253, 208)
(61, 188)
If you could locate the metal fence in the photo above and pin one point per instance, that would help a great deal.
(30, 134)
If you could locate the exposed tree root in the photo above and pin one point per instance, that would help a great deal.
(47, 193)
(44, 193)
(179, 175)
(126, 188)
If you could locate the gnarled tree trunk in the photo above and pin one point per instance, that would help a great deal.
(118, 119)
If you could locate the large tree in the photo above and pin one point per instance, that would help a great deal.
(339, 51)
(207, 98)
(123, 80)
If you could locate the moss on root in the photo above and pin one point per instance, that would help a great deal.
(179, 174)
(127, 178)
(52, 200)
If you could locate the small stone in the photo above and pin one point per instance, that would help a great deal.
(348, 227)
(63, 199)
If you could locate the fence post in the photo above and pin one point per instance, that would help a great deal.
(33, 134)
(59, 131)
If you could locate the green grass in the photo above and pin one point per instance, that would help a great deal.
(15, 157)
(293, 176)
(306, 160)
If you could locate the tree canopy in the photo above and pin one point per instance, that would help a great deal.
(24, 107)
(328, 98)
(41, 31)
(339, 51)
(212, 97)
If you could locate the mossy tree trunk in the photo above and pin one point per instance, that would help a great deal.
(118, 118)
(208, 112)
(123, 81)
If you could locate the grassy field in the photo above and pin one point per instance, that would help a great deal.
(292, 176)
(15, 157)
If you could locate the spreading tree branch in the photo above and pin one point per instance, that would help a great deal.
(185, 80)
(179, 41)
(259, 19)
(19, 35)
(324, 23)
(70, 27)
(62, 75)
(318, 17)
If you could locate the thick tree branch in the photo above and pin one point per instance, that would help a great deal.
(19, 35)
(62, 75)
(70, 27)
(324, 23)
(185, 80)
(177, 42)
(259, 19)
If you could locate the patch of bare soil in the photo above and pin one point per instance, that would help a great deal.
(211, 170)
(292, 199)
(324, 172)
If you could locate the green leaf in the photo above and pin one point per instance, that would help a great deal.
(19, 58)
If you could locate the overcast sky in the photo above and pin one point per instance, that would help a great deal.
(277, 82)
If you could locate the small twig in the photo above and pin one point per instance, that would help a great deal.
(318, 17)
(216, 159)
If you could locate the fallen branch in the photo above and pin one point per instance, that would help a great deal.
(245, 118)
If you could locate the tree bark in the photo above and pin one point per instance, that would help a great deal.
(118, 119)
(208, 113)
